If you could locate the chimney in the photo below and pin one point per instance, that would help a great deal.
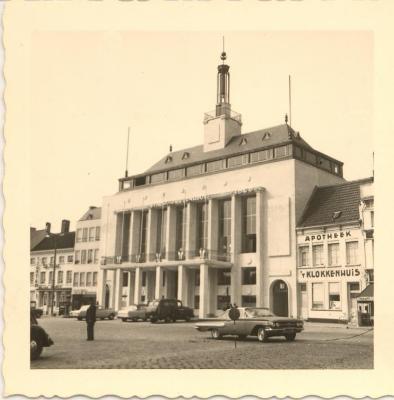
(65, 226)
(48, 227)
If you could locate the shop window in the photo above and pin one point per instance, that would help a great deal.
(125, 279)
(196, 301)
(317, 253)
(351, 253)
(249, 276)
(94, 278)
(317, 296)
(224, 277)
(249, 224)
(303, 256)
(333, 254)
(248, 301)
(334, 295)
(223, 302)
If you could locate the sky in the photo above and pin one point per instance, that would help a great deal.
(88, 87)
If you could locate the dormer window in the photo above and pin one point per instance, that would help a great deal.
(168, 159)
(243, 142)
(266, 136)
(185, 155)
(336, 214)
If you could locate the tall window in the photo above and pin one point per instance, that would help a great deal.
(144, 231)
(249, 276)
(161, 231)
(197, 278)
(77, 257)
(224, 277)
(125, 279)
(50, 281)
(44, 261)
(61, 260)
(143, 278)
(31, 278)
(225, 227)
(333, 254)
(83, 256)
(69, 277)
(32, 261)
(248, 301)
(59, 277)
(97, 233)
(317, 295)
(91, 234)
(85, 234)
(90, 256)
(249, 224)
(76, 279)
(334, 295)
(94, 278)
(82, 279)
(180, 240)
(88, 279)
(96, 255)
(317, 252)
(303, 252)
(42, 277)
(70, 259)
(202, 226)
(351, 253)
(79, 235)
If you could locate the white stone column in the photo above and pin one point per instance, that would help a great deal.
(236, 243)
(204, 291)
(137, 285)
(101, 283)
(118, 289)
(131, 287)
(159, 282)
(183, 285)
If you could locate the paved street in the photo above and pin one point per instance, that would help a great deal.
(179, 345)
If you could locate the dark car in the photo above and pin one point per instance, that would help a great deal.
(168, 310)
(37, 312)
(38, 338)
(253, 321)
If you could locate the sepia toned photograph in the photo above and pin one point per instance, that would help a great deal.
(210, 208)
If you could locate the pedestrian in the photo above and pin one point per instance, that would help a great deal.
(90, 320)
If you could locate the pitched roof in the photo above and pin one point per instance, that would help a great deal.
(92, 213)
(36, 236)
(63, 241)
(243, 143)
(367, 292)
(335, 204)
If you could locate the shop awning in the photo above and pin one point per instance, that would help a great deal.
(366, 294)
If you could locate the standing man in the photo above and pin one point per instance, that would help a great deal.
(90, 320)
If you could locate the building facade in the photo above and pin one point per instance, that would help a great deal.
(335, 251)
(216, 223)
(49, 276)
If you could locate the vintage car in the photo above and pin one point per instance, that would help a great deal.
(252, 321)
(168, 310)
(133, 312)
(101, 313)
(38, 338)
(74, 313)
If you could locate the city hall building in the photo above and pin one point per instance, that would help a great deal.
(216, 223)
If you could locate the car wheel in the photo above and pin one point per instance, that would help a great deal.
(261, 335)
(111, 317)
(290, 337)
(35, 349)
(187, 319)
(153, 320)
(124, 319)
(215, 334)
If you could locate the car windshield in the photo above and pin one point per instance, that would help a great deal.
(258, 312)
(83, 308)
(153, 303)
(131, 308)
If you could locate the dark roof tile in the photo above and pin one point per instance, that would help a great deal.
(64, 241)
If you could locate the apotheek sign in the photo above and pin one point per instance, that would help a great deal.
(329, 273)
(323, 236)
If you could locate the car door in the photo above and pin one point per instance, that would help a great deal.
(228, 328)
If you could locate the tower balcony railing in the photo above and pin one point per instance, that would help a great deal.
(180, 255)
(230, 113)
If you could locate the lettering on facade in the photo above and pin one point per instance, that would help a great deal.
(323, 236)
(332, 273)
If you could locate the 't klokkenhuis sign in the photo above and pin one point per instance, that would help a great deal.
(321, 274)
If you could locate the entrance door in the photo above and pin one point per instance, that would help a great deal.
(280, 299)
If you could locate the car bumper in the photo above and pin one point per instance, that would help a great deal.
(283, 331)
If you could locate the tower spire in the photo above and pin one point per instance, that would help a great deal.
(223, 86)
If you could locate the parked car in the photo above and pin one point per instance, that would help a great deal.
(168, 310)
(258, 322)
(74, 313)
(38, 338)
(37, 312)
(101, 313)
(133, 312)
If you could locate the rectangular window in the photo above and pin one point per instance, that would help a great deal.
(96, 256)
(372, 216)
(61, 260)
(303, 252)
(32, 261)
(176, 174)
(303, 287)
(76, 279)
(83, 256)
(94, 278)
(77, 257)
(161, 232)
(249, 276)
(88, 279)
(317, 253)
(354, 286)
(31, 278)
(59, 277)
(237, 161)
(143, 278)
(180, 235)
(248, 301)
(69, 277)
(224, 229)
(44, 261)
(196, 301)
(50, 280)
(70, 259)
(224, 277)
(51, 261)
(125, 279)
(97, 233)
(159, 177)
(79, 235)
(82, 279)
(249, 224)
(309, 157)
(164, 278)
(195, 170)
(85, 234)
(317, 296)
(281, 151)
(223, 302)
(334, 296)
(197, 278)
(333, 254)
(42, 277)
(351, 253)
(324, 163)
(144, 234)
(216, 165)
(91, 234)
(202, 226)
(262, 155)
(90, 256)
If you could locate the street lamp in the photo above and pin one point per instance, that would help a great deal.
(54, 236)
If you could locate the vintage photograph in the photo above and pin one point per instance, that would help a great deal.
(201, 200)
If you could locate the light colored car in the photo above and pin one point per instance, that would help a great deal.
(74, 313)
(133, 312)
(253, 321)
(101, 313)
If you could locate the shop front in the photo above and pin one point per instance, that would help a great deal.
(82, 297)
(365, 307)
